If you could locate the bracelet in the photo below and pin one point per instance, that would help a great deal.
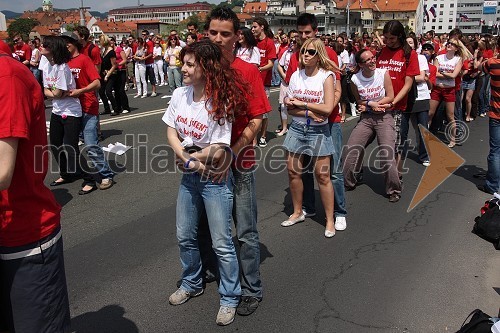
(186, 165)
(229, 150)
(391, 104)
(307, 113)
(305, 105)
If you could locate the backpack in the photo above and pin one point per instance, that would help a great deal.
(479, 323)
(346, 84)
(487, 225)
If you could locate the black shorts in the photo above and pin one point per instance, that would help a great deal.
(150, 74)
(33, 292)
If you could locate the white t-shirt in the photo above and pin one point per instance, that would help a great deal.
(422, 87)
(447, 66)
(34, 54)
(344, 57)
(309, 89)
(285, 59)
(252, 56)
(192, 121)
(370, 88)
(157, 51)
(60, 77)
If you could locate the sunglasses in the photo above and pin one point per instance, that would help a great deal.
(16, 40)
(311, 52)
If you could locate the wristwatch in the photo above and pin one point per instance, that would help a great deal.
(305, 105)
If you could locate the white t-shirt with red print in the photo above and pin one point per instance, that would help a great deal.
(309, 89)
(60, 77)
(252, 55)
(446, 66)
(192, 121)
(370, 88)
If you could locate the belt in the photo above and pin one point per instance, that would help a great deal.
(33, 251)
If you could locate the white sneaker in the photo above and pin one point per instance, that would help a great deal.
(144, 96)
(225, 315)
(340, 223)
(126, 87)
(125, 111)
(426, 163)
(153, 94)
(137, 96)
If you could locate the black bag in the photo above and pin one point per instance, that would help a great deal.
(487, 225)
(348, 81)
(479, 323)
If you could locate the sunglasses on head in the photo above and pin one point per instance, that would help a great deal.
(311, 52)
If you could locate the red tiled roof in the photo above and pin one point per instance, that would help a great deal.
(255, 7)
(381, 5)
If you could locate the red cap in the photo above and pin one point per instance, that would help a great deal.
(5, 48)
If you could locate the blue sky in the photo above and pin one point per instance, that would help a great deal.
(100, 5)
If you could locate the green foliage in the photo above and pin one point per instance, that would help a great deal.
(71, 26)
(408, 30)
(21, 26)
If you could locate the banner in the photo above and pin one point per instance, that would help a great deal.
(490, 7)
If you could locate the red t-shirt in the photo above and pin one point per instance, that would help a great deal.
(149, 50)
(134, 47)
(458, 79)
(95, 54)
(492, 67)
(294, 65)
(85, 73)
(258, 104)
(23, 52)
(28, 209)
(267, 52)
(395, 63)
(432, 74)
(282, 49)
(487, 54)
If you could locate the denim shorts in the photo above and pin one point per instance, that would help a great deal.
(309, 140)
(469, 85)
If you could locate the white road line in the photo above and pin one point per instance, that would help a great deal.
(133, 116)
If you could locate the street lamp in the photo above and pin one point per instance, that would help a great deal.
(82, 17)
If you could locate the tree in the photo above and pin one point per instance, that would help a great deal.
(21, 26)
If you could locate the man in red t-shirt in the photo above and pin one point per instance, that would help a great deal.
(31, 246)
(260, 29)
(88, 48)
(150, 72)
(87, 83)
(22, 50)
(224, 30)
(307, 26)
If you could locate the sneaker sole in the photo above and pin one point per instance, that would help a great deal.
(224, 324)
(187, 299)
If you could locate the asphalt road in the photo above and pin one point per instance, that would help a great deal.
(389, 271)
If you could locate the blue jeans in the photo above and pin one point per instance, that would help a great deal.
(174, 77)
(422, 119)
(484, 95)
(458, 105)
(197, 195)
(94, 151)
(276, 78)
(245, 220)
(337, 176)
(493, 174)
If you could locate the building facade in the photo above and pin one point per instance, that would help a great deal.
(170, 14)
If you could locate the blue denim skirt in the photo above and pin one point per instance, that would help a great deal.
(469, 85)
(309, 140)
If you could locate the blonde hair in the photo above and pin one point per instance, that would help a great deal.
(104, 40)
(324, 61)
(462, 51)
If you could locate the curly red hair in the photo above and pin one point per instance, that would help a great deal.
(226, 91)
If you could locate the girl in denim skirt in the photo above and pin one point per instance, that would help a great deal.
(199, 120)
(310, 100)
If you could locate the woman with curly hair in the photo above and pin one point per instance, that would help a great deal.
(199, 120)
(310, 100)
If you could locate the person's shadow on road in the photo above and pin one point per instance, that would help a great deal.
(109, 319)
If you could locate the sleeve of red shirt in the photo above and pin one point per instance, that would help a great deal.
(259, 103)
(96, 56)
(413, 68)
(292, 67)
(432, 73)
(27, 52)
(91, 70)
(15, 116)
(271, 49)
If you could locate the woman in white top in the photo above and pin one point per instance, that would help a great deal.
(140, 69)
(310, 100)
(372, 87)
(66, 117)
(449, 66)
(172, 52)
(199, 120)
(158, 64)
(35, 59)
(246, 47)
(420, 110)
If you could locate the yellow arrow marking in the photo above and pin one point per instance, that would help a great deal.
(444, 162)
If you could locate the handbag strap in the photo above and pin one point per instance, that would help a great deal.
(470, 315)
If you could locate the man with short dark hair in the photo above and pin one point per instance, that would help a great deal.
(22, 50)
(33, 292)
(150, 72)
(89, 48)
(192, 28)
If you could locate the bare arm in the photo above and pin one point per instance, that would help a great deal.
(456, 71)
(93, 86)
(324, 109)
(56, 93)
(281, 72)
(420, 77)
(8, 153)
(268, 66)
(124, 58)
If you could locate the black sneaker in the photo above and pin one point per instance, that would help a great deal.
(247, 305)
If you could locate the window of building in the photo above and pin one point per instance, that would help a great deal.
(441, 6)
(433, 27)
(450, 27)
(440, 19)
(440, 12)
(452, 5)
(440, 27)
(451, 12)
(433, 20)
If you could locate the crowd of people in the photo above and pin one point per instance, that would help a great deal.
(218, 113)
